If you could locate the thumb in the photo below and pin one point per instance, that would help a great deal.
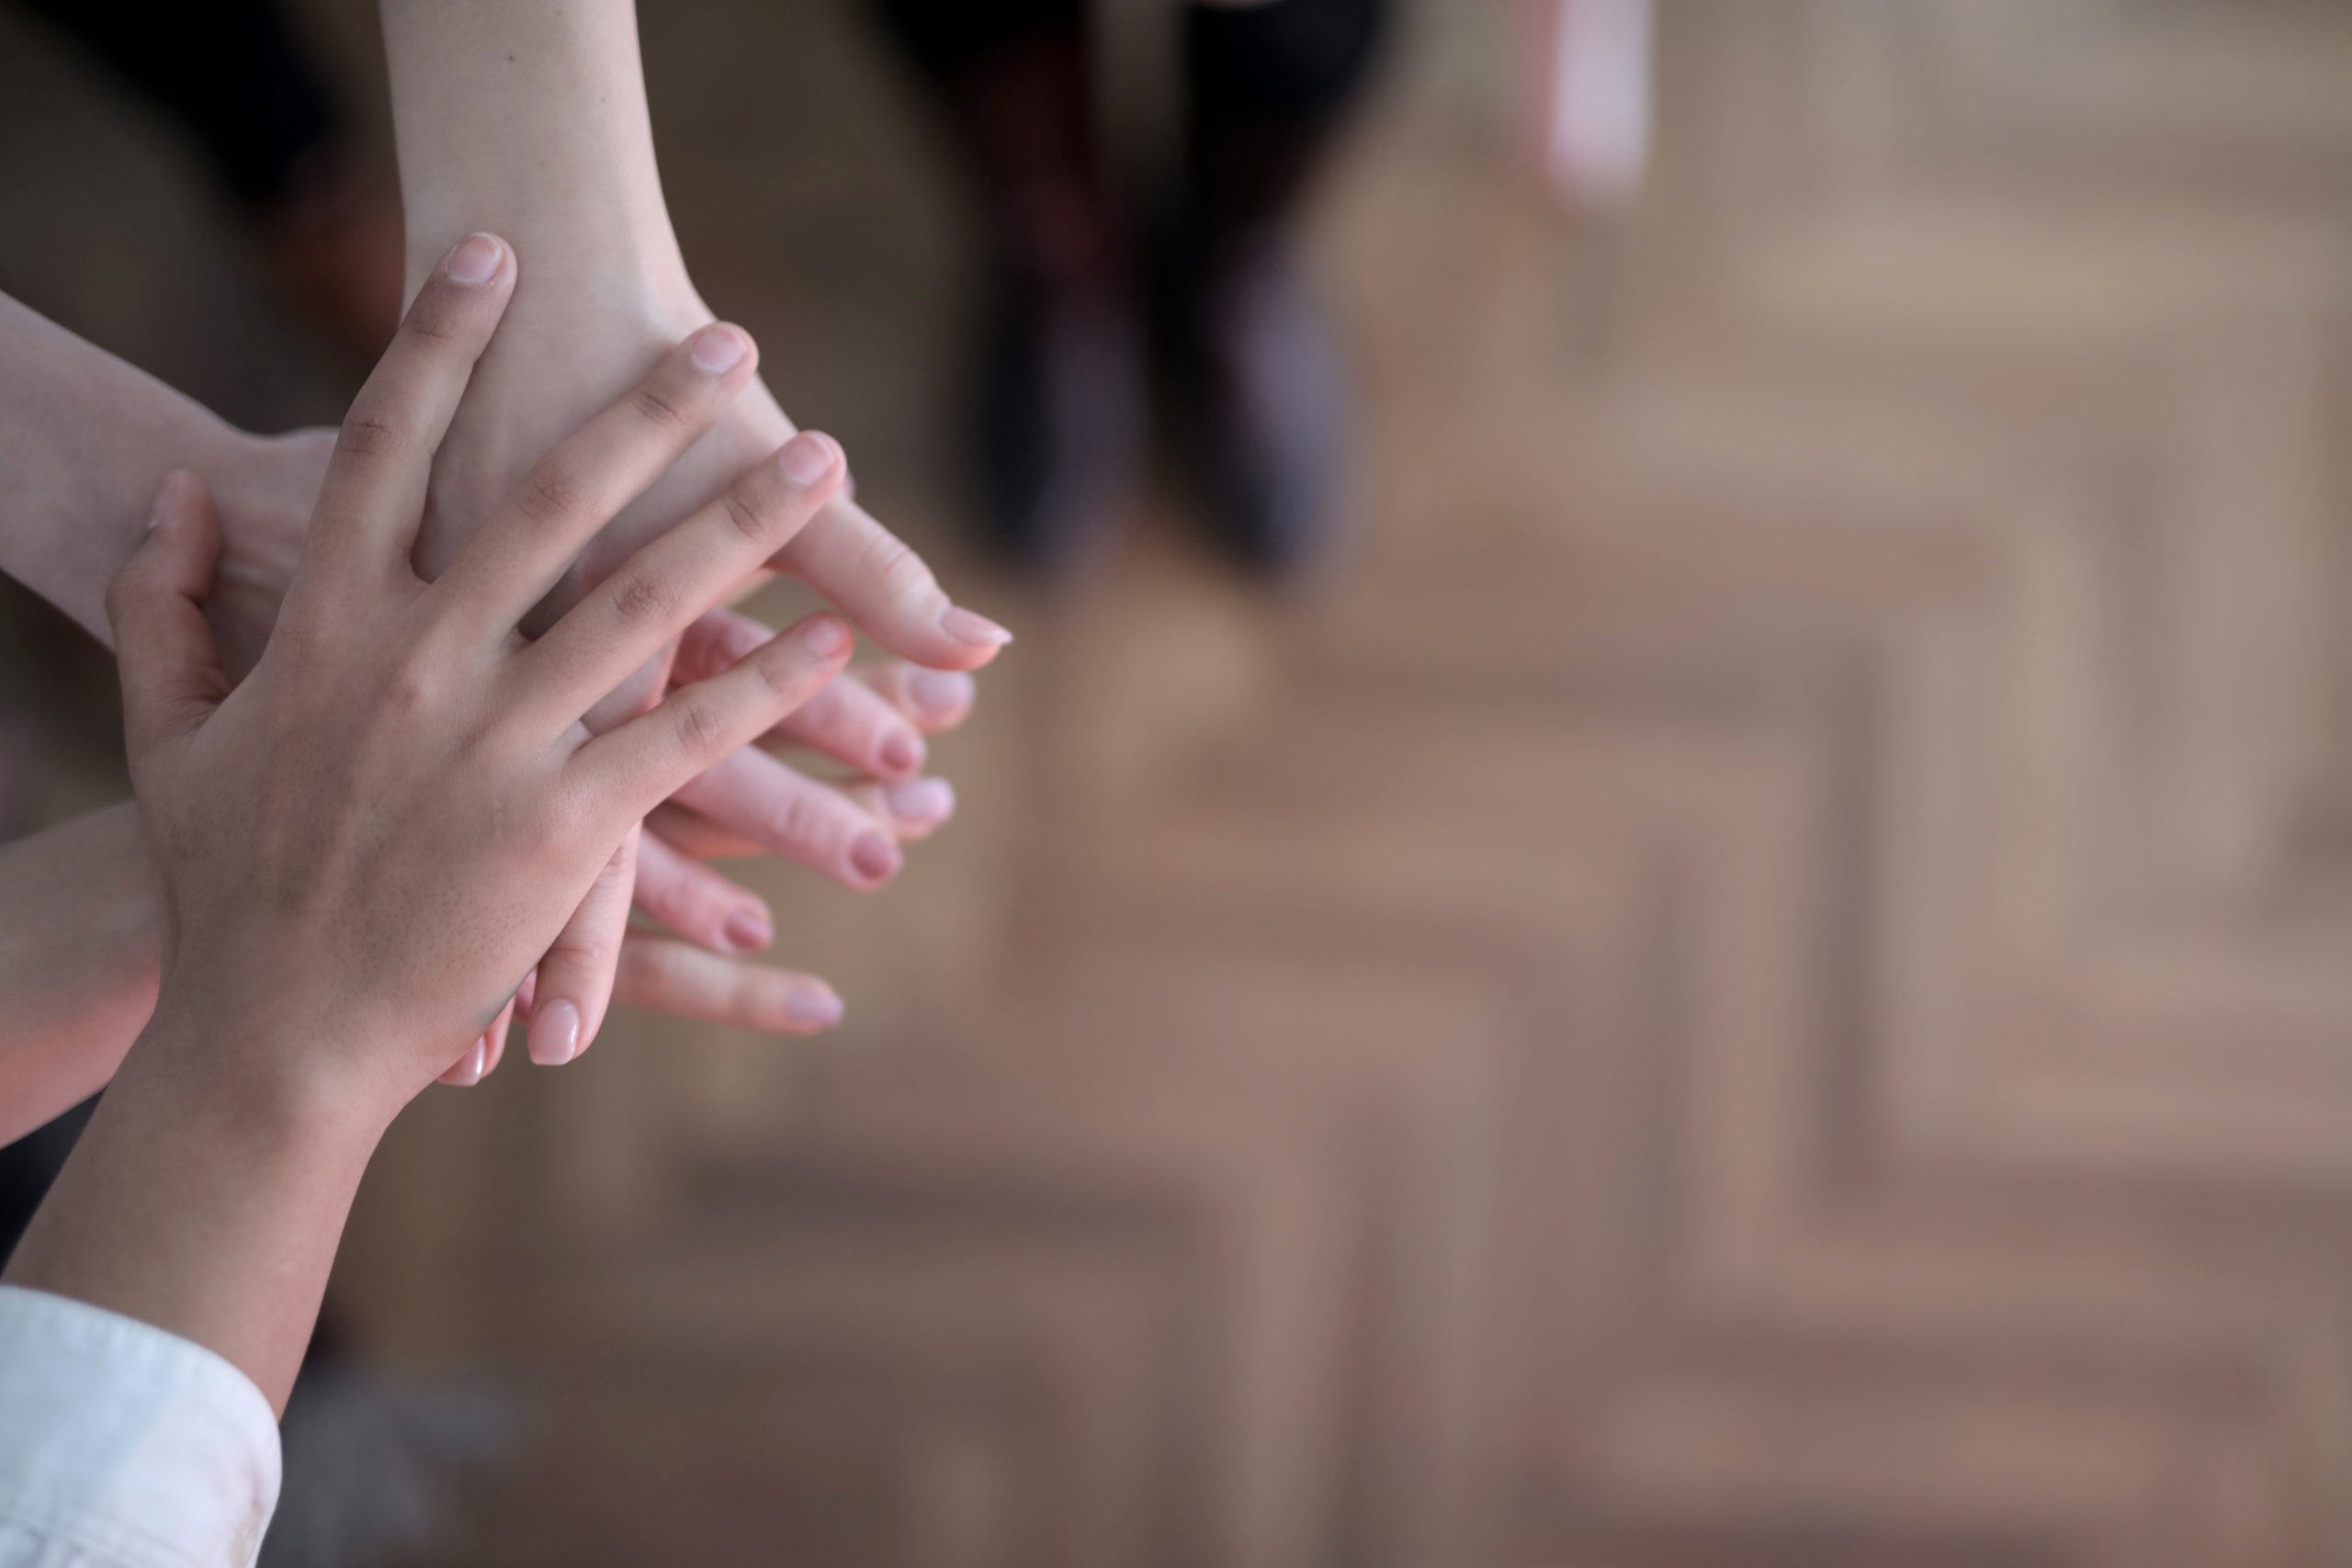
(169, 664)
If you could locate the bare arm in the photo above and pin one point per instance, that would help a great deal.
(86, 440)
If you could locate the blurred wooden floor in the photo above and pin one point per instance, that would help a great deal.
(1762, 981)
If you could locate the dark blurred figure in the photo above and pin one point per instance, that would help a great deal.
(232, 74)
(1206, 279)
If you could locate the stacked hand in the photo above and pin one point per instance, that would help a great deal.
(872, 722)
(418, 804)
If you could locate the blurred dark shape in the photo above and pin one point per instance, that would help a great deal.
(1081, 268)
(232, 74)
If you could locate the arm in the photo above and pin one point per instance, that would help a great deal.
(79, 949)
(84, 441)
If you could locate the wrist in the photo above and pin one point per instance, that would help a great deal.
(269, 1082)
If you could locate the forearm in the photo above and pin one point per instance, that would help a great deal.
(528, 119)
(85, 440)
(207, 1197)
(79, 955)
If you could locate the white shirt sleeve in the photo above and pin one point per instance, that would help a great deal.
(125, 1447)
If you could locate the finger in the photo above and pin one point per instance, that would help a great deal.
(849, 721)
(575, 982)
(695, 836)
(481, 1057)
(169, 664)
(913, 808)
(885, 589)
(789, 814)
(699, 904)
(634, 768)
(663, 589)
(523, 548)
(855, 726)
(934, 699)
(374, 494)
(497, 1035)
(671, 976)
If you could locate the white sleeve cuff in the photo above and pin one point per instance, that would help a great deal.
(133, 1445)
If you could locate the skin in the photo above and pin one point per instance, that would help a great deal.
(86, 439)
(529, 117)
(81, 911)
(367, 845)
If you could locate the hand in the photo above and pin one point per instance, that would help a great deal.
(263, 487)
(578, 338)
(855, 716)
(366, 845)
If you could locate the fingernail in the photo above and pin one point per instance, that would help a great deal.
(167, 495)
(972, 630)
(476, 1063)
(474, 259)
(825, 637)
(555, 1033)
(922, 800)
(941, 691)
(875, 857)
(807, 457)
(748, 930)
(717, 349)
(902, 751)
(813, 1009)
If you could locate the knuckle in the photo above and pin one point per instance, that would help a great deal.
(435, 318)
(895, 569)
(753, 515)
(801, 820)
(658, 406)
(365, 434)
(701, 726)
(549, 495)
(639, 596)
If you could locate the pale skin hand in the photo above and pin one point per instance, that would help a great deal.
(367, 845)
(529, 118)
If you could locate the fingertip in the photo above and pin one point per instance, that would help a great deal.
(722, 348)
(812, 1006)
(809, 458)
(554, 1037)
(825, 636)
(475, 260)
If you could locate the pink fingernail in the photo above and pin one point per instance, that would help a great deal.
(555, 1034)
(922, 800)
(941, 691)
(972, 630)
(901, 752)
(167, 495)
(812, 1009)
(807, 457)
(717, 349)
(477, 1063)
(474, 259)
(748, 930)
(825, 637)
(875, 857)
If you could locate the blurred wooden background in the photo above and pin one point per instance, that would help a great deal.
(1766, 979)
